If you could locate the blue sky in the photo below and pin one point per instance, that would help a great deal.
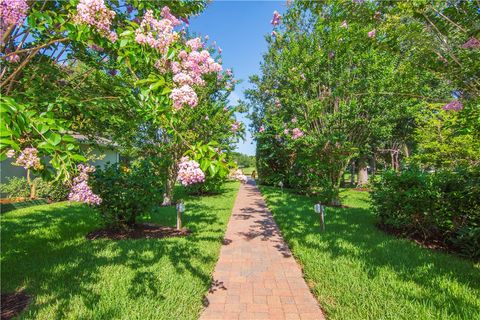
(239, 27)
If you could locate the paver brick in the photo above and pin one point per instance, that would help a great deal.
(256, 276)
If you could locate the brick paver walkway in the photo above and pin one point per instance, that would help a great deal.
(256, 276)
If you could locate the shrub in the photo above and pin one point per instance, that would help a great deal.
(126, 192)
(214, 164)
(15, 187)
(444, 205)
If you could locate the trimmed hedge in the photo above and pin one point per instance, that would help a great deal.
(444, 206)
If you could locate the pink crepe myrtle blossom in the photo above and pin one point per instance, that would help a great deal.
(239, 175)
(297, 133)
(261, 129)
(182, 96)
(12, 12)
(162, 65)
(14, 58)
(157, 34)
(229, 72)
(96, 14)
(166, 14)
(472, 43)
(195, 43)
(372, 33)
(182, 78)
(286, 131)
(455, 105)
(189, 172)
(10, 153)
(276, 18)
(344, 24)
(29, 159)
(294, 120)
(81, 191)
(235, 126)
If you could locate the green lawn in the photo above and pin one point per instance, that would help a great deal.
(358, 272)
(248, 170)
(44, 251)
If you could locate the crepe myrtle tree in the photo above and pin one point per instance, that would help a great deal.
(327, 87)
(161, 66)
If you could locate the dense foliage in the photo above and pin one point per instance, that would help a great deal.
(128, 70)
(350, 82)
(444, 205)
(19, 187)
(126, 193)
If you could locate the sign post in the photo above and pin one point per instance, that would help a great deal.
(321, 211)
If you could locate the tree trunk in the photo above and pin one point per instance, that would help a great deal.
(362, 173)
(169, 184)
(374, 165)
(33, 187)
(352, 173)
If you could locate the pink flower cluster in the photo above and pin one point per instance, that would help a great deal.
(189, 71)
(261, 129)
(472, 43)
(455, 105)
(344, 24)
(12, 12)
(189, 172)
(96, 14)
(235, 126)
(14, 58)
(192, 64)
(183, 95)
(238, 175)
(81, 191)
(372, 33)
(276, 18)
(28, 159)
(297, 133)
(158, 34)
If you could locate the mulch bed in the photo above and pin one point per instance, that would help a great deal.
(430, 243)
(139, 231)
(12, 200)
(13, 304)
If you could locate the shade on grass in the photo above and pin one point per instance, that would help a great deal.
(358, 272)
(44, 251)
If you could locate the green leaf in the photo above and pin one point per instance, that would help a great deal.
(54, 138)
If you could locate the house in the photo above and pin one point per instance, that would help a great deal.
(103, 151)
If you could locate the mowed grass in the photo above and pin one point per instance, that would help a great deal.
(359, 272)
(248, 170)
(44, 252)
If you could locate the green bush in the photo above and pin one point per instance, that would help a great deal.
(444, 205)
(15, 187)
(214, 165)
(126, 192)
(18, 187)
